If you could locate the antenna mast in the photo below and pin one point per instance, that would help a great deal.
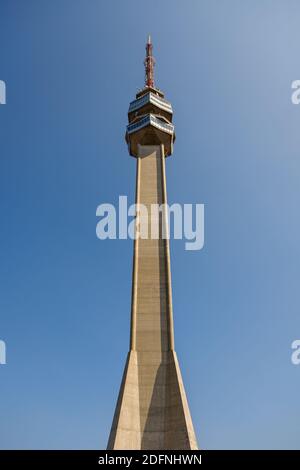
(149, 63)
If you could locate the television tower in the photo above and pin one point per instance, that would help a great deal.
(152, 411)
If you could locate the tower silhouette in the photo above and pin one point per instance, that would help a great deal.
(152, 410)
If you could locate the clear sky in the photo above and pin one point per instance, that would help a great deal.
(71, 68)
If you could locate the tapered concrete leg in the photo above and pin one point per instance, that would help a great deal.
(152, 410)
(125, 432)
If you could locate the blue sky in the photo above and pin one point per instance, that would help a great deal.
(71, 69)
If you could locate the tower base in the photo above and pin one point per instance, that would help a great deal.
(152, 410)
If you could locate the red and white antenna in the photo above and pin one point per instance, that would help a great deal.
(149, 63)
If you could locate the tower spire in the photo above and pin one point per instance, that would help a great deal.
(149, 63)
